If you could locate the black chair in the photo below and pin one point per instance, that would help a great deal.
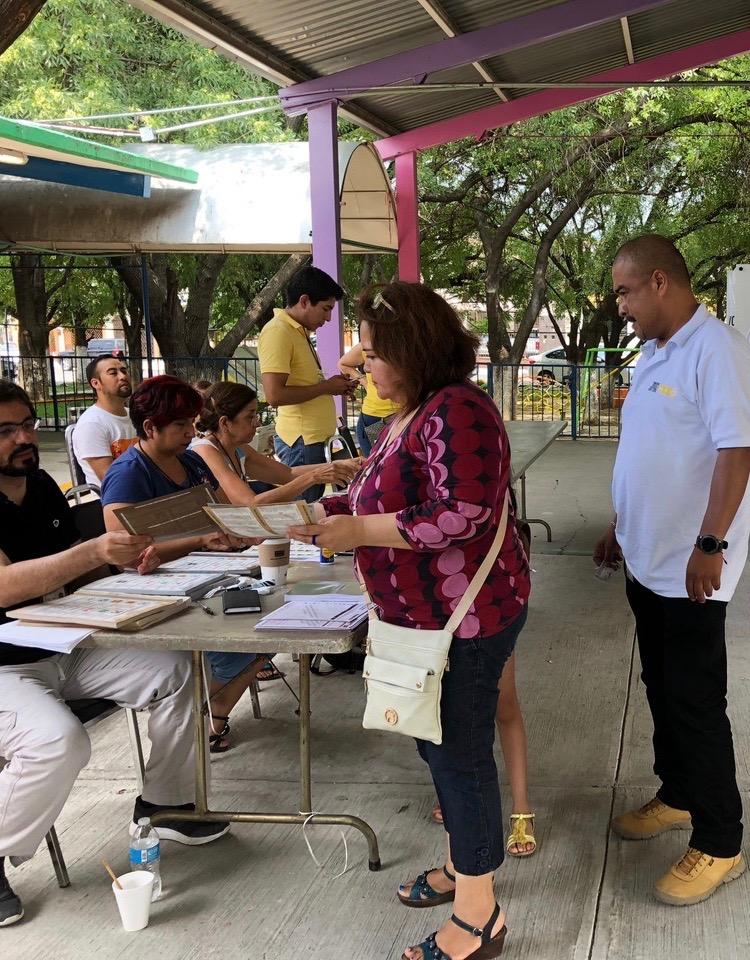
(77, 477)
(88, 517)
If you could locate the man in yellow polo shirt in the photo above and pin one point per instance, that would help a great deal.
(293, 379)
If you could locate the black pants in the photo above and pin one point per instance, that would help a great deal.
(684, 660)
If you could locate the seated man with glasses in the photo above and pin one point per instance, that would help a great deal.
(42, 742)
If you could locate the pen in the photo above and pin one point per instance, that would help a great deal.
(206, 610)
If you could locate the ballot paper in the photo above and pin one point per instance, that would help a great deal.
(269, 520)
(210, 562)
(44, 636)
(158, 584)
(298, 552)
(316, 615)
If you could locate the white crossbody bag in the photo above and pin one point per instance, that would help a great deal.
(403, 670)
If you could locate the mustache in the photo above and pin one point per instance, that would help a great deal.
(25, 448)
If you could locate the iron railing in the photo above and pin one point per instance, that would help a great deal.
(588, 397)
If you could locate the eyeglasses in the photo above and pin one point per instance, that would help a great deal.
(8, 430)
(379, 301)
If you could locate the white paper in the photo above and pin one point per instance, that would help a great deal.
(210, 563)
(298, 552)
(55, 639)
(325, 591)
(242, 521)
(155, 584)
(301, 615)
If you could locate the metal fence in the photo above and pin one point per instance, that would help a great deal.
(59, 390)
(589, 397)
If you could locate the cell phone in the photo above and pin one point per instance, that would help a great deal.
(240, 601)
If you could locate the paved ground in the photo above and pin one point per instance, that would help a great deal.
(257, 895)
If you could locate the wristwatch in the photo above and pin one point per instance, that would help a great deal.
(708, 543)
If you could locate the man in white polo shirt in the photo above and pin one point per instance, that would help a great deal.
(682, 525)
(104, 430)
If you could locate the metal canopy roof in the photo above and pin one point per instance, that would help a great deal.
(35, 153)
(252, 198)
(291, 41)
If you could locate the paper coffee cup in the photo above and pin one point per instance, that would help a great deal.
(274, 560)
(134, 900)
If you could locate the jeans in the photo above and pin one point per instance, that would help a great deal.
(300, 454)
(225, 666)
(684, 661)
(463, 765)
(365, 420)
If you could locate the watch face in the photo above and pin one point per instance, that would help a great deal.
(709, 544)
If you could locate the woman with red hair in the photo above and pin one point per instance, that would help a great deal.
(163, 410)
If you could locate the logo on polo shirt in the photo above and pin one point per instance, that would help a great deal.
(664, 389)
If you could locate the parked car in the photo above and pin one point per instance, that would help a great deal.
(552, 366)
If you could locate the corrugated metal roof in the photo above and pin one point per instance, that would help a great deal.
(312, 38)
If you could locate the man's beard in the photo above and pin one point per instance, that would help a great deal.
(24, 470)
(125, 390)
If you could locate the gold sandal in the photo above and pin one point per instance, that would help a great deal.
(519, 837)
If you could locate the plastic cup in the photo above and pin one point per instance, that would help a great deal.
(134, 900)
(274, 560)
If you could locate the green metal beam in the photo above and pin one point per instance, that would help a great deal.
(29, 135)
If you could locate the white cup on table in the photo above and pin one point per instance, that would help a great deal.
(274, 560)
(134, 900)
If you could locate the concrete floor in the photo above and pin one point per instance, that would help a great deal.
(257, 895)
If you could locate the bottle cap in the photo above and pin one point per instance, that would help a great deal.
(144, 822)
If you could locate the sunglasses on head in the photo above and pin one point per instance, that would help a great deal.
(379, 301)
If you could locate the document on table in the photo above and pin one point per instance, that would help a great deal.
(55, 639)
(325, 591)
(298, 552)
(316, 615)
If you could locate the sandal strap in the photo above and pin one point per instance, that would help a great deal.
(484, 933)
(448, 874)
(224, 730)
(522, 816)
(430, 949)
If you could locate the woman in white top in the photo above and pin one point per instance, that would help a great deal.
(228, 423)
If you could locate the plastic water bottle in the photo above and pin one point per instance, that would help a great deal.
(145, 852)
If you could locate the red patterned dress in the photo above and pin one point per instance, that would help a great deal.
(445, 478)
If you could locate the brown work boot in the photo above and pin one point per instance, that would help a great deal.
(696, 877)
(650, 820)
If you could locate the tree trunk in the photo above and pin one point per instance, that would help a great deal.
(15, 17)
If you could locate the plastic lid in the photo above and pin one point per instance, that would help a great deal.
(144, 822)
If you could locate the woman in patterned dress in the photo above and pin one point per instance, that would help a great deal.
(421, 518)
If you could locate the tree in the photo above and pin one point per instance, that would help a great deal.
(57, 69)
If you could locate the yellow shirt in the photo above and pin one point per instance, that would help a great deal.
(372, 405)
(284, 347)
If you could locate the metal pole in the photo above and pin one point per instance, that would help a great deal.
(574, 403)
(305, 782)
(53, 386)
(147, 314)
(199, 724)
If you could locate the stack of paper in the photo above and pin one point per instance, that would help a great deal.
(302, 615)
(157, 584)
(298, 552)
(43, 636)
(94, 610)
(210, 562)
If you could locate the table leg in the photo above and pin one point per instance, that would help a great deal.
(522, 506)
(202, 811)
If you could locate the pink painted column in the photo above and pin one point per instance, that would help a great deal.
(326, 225)
(407, 214)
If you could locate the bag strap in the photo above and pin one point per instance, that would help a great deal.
(482, 573)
